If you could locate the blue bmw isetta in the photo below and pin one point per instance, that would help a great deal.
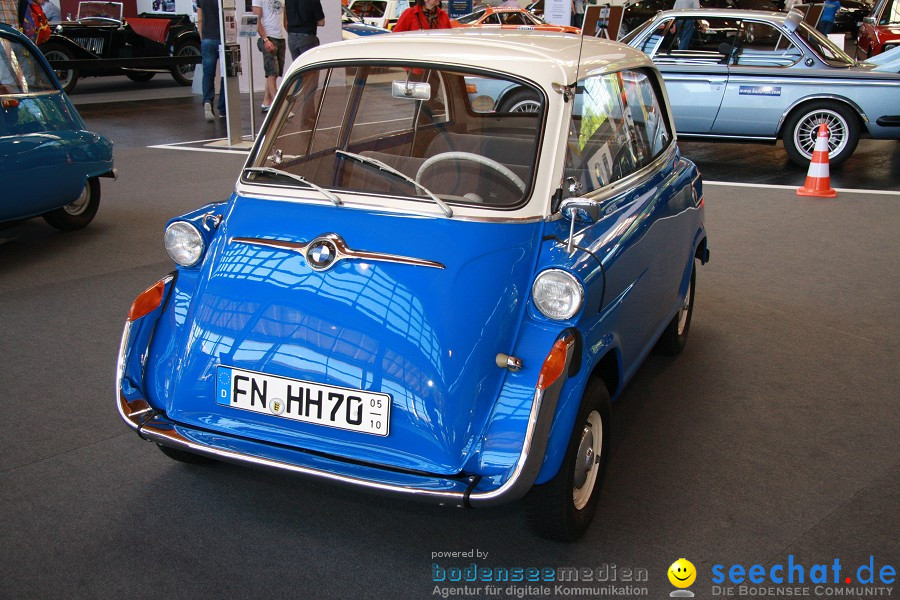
(410, 294)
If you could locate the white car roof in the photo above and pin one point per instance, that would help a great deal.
(543, 57)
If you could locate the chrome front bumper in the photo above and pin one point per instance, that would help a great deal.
(153, 425)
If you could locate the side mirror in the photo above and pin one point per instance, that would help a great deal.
(581, 211)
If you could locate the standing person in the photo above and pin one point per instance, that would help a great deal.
(271, 43)
(12, 11)
(301, 19)
(426, 14)
(577, 13)
(685, 27)
(51, 11)
(826, 21)
(210, 40)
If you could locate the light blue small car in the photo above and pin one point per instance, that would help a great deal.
(49, 162)
(763, 76)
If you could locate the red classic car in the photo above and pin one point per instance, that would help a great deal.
(880, 31)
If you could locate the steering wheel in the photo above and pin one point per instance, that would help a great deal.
(476, 158)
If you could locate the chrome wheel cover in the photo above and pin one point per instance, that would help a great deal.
(81, 203)
(64, 76)
(587, 460)
(807, 130)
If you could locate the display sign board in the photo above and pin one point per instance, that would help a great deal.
(458, 8)
(249, 26)
(167, 7)
(558, 12)
(603, 21)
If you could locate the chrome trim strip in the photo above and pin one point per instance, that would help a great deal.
(521, 479)
(343, 251)
(277, 244)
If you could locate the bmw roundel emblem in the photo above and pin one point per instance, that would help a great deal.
(321, 254)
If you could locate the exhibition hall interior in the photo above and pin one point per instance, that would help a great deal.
(417, 299)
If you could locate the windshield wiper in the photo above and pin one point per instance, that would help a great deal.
(389, 169)
(272, 171)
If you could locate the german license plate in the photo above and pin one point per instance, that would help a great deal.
(332, 406)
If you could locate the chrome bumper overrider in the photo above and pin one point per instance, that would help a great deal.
(153, 425)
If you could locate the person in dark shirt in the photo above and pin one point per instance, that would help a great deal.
(301, 19)
(210, 40)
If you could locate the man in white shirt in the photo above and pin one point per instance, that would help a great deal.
(271, 43)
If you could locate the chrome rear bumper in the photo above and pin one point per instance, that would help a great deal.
(153, 425)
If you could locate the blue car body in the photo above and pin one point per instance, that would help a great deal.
(339, 284)
(47, 155)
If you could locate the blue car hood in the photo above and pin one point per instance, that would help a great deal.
(426, 336)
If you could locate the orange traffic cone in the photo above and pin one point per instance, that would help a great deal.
(818, 179)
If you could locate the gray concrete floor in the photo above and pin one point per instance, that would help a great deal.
(774, 434)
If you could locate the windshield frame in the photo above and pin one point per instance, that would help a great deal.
(275, 121)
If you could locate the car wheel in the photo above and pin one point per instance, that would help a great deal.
(674, 337)
(802, 127)
(520, 101)
(80, 212)
(140, 76)
(562, 508)
(184, 74)
(185, 457)
(67, 77)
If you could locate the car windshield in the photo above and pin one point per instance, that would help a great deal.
(471, 17)
(20, 71)
(109, 10)
(339, 127)
(825, 48)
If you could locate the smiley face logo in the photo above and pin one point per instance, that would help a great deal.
(682, 573)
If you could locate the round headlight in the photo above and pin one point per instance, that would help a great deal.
(184, 243)
(557, 294)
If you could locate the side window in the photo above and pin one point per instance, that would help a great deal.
(762, 45)
(514, 18)
(697, 41)
(492, 19)
(660, 40)
(890, 14)
(617, 127)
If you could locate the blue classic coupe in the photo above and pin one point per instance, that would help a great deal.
(410, 294)
(764, 76)
(49, 162)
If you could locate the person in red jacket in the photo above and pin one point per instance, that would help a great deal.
(426, 14)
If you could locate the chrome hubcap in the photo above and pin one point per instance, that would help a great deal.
(587, 460)
(808, 129)
(80, 204)
(65, 75)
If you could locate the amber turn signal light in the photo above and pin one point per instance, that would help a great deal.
(147, 301)
(554, 364)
